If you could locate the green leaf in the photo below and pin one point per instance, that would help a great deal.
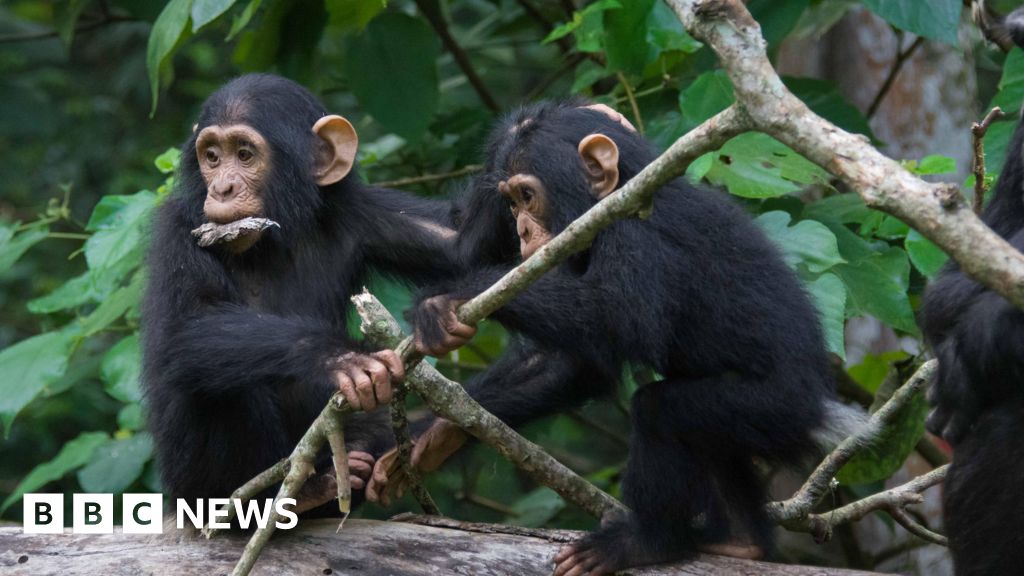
(396, 82)
(27, 368)
(242, 20)
(353, 14)
(933, 164)
(131, 417)
(842, 208)
(666, 33)
(927, 257)
(116, 464)
(873, 369)
(1011, 84)
(66, 15)
(876, 280)
(755, 165)
(72, 456)
(13, 248)
(997, 140)
(71, 294)
(824, 99)
(121, 370)
(625, 38)
(829, 295)
(167, 162)
(886, 455)
(777, 17)
(112, 308)
(167, 30)
(935, 19)
(586, 74)
(119, 240)
(591, 11)
(808, 243)
(206, 11)
(708, 95)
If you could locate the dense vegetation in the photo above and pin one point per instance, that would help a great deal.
(97, 95)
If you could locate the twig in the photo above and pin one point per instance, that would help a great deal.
(817, 485)
(465, 170)
(400, 427)
(564, 44)
(978, 131)
(632, 101)
(252, 488)
(431, 9)
(892, 501)
(334, 430)
(901, 57)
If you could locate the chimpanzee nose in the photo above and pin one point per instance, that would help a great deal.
(222, 190)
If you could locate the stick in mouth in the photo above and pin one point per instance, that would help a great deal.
(210, 233)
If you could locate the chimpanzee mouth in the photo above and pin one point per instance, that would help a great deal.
(211, 233)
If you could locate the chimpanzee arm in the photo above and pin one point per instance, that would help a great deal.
(407, 236)
(527, 383)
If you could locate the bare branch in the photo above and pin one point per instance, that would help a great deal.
(431, 10)
(897, 64)
(937, 211)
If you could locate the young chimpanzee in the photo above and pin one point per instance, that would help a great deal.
(978, 396)
(245, 340)
(696, 292)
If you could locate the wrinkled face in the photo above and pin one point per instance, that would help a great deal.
(234, 161)
(528, 201)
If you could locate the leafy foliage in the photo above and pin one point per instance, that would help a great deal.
(70, 347)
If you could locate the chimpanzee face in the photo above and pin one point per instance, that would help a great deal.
(236, 164)
(531, 201)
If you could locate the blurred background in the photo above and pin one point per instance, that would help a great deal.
(97, 95)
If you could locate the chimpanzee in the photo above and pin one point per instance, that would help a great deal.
(978, 398)
(245, 340)
(695, 292)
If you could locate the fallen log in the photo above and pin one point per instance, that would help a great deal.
(314, 548)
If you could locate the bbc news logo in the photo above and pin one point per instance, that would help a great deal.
(143, 513)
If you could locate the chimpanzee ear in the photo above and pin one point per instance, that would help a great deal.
(600, 158)
(338, 154)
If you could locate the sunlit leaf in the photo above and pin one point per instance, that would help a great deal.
(206, 11)
(807, 243)
(166, 32)
(121, 369)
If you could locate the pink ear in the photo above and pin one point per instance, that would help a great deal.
(336, 158)
(600, 158)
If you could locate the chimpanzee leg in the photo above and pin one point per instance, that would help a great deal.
(691, 482)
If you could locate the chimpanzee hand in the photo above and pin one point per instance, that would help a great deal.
(322, 488)
(365, 379)
(613, 114)
(430, 450)
(955, 405)
(438, 330)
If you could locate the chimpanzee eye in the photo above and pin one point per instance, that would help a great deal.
(527, 194)
(211, 156)
(245, 154)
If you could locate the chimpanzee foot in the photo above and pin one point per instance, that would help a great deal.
(608, 550)
(735, 550)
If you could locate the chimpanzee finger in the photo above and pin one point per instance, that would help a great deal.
(394, 363)
(360, 455)
(348, 389)
(456, 328)
(564, 553)
(364, 388)
(359, 468)
(381, 381)
(355, 482)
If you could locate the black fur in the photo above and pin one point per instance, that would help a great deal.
(978, 396)
(696, 292)
(236, 347)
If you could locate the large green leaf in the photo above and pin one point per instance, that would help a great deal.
(116, 464)
(121, 369)
(29, 366)
(395, 81)
(206, 11)
(71, 294)
(755, 165)
(625, 38)
(926, 256)
(167, 30)
(829, 296)
(935, 19)
(842, 208)
(708, 95)
(112, 308)
(665, 33)
(13, 246)
(72, 456)
(887, 454)
(537, 508)
(876, 279)
(353, 14)
(119, 223)
(777, 17)
(66, 15)
(807, 243)
(1011, 84)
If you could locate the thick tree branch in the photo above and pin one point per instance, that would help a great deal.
(450, 401)
(938, 211)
